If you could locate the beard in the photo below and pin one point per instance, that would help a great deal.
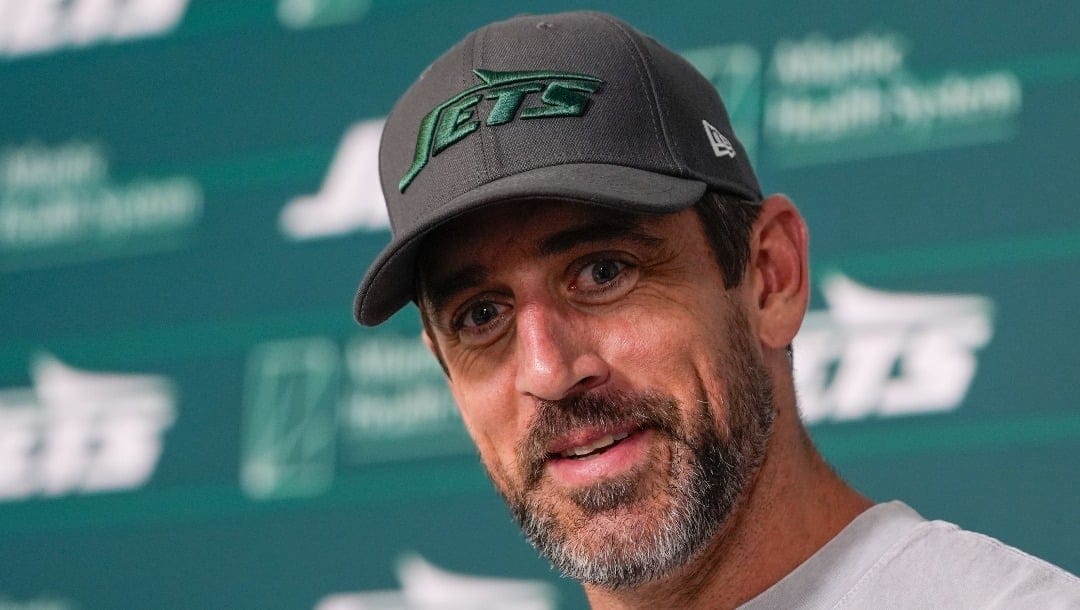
(627, 530)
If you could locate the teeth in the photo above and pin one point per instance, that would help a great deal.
(600, 443)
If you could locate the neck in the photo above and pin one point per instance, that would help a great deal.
(795, 506)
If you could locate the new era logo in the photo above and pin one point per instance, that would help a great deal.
(721, 146)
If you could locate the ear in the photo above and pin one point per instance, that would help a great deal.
(779, 271)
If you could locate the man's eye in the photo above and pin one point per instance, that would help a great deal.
(600, 273)
(480, 314)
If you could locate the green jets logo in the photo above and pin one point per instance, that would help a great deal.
(563, 94)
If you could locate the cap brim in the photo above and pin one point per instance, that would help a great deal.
(389, 282)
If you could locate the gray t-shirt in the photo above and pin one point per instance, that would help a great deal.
(890, 557)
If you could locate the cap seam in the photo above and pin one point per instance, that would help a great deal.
(489, 147)
(660, 133)
(477, 55)
(663, 138)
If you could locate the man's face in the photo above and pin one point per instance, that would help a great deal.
(614, 388)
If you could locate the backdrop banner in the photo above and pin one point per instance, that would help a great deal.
(190, 418)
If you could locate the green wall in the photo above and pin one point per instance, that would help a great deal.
(189, 417)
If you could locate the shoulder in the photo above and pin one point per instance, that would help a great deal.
(891, 557)
(938, 564)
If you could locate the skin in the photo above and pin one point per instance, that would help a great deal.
(535, 301)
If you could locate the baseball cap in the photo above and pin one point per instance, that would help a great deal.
(575, 105)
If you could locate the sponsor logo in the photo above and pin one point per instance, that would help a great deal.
(38, 27)
(562, 94)
(290, 418)
(350, 197)
(59, 205)
(426, 586)
(310, 405)
(721, 146)
(875, 353)
(81, 432)
(830, 100)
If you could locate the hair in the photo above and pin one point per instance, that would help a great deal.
(727, 222)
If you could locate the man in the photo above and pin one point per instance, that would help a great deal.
(613, 302)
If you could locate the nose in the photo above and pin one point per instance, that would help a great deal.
(555, 359)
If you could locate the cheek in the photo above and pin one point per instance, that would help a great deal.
(492, 420)
(677, 353)
(655, 342)
(472, 365)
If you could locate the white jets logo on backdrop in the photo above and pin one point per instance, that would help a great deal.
(39, 26)
(881, 353)
(425, 586)
(80, 432)
(350, 197)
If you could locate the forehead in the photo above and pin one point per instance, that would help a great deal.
(530, 226)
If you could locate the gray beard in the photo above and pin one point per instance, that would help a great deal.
(637, 527)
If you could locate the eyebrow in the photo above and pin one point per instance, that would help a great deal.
(441, 291)
(594, 230)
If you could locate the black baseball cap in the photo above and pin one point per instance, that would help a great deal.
(571, 106)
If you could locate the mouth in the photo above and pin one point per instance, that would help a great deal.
(589, 456)
(595, 447)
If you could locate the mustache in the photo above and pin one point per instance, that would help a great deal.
(554, 418)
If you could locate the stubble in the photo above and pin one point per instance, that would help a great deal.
(627, 530)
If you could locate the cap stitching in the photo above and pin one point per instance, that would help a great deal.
(477, 57)
(664, 141)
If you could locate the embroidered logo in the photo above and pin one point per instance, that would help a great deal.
(721, 146)
(561, 94)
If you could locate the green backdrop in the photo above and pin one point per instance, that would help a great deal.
(189, 418)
